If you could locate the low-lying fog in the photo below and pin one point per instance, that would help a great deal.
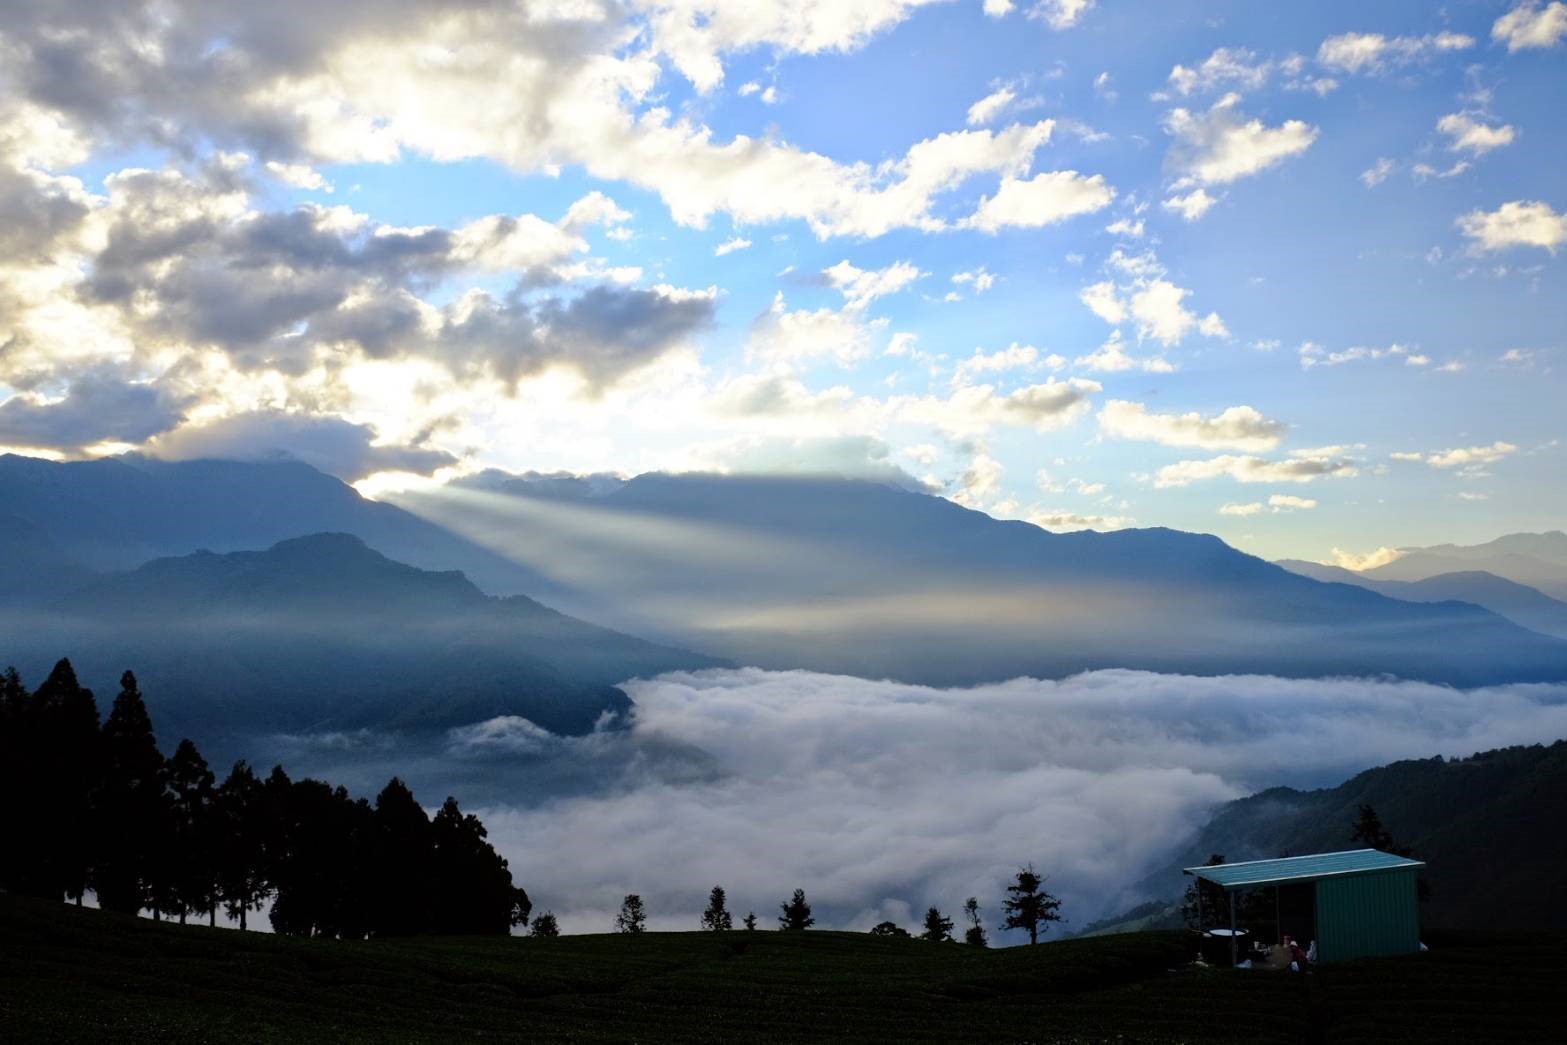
(880, 798)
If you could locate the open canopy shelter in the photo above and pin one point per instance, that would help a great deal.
(1353, 904)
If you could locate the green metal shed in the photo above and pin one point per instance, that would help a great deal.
(1361, 902)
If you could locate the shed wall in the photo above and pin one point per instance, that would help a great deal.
(1367, 914)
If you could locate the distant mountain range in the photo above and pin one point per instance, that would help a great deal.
(322, 633)
(1538, 560)
(1488, 828)
(833, 575)
(1519, 603)
(871, 580)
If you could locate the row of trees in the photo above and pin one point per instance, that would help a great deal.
(96, 806)
(1028, 906)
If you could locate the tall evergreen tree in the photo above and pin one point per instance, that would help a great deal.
(633, 915)
(404, 863)
(16, 769)
(975, 933)
(1028, 905)
(132, 812)
(796, 915)
(749, 921)
(938, 927)
(474, 891)
(63, 766)
(241, 851)
(545, 926)
(716, 918)
(188, 884)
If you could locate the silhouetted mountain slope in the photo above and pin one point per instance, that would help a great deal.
(1519, 603)
(116, 513)
(1488, 826)
(867, 579)
(321, 633)
(1538, 560)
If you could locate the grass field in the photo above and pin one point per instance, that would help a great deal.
(72, 975)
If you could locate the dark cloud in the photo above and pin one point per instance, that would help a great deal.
(331, 444)
(97, 407)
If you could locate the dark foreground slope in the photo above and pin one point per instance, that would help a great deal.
(1488, 826)
(322, 633)
(871, 580)
(82, 976)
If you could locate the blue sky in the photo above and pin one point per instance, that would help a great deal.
(1322, 242)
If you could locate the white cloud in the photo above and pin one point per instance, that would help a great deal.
(1283, 502)
(1119, 767)
(1061, 14)
(1375, 53)
(1472, 136)
(1064, 520)
(1531, 25)
(980, 280)
(1126, 227)
(1377, 173)
(1248, 469)
(1467, 456)
(786, 338)
(1236, 428)
(1112, 357)
(1227, 68)
(1222, 145)
(1157, 307)
(973, 409)
(998, 8)
(991, 106)
(299, 175)
(1103, 88)
(862, 286)
(1104, 302)
(729, 246)
(1042, 200)
(1519, 223)
(1013, 357)
(1314, 355)
(1191, 205)
(1367, 561)
(1253, 508)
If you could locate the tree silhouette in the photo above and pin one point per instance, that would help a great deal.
(1028, 905)
(716, 918)
(190, 876)
(796, 915)
(132, 814)
(632, 917)
(1203, 899)
(975, 933)
(240, 853)
(103, 809)
(938, 927)
(889, 929)
(545, 926)
(749, 921)
(473, 887)
(62, 766)
(1368, 831)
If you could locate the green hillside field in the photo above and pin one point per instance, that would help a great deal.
(69, 975)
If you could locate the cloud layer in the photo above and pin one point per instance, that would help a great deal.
(880, 798)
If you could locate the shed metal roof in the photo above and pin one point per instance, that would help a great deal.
(1302, 868)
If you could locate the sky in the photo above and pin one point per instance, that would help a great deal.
(1291, 274)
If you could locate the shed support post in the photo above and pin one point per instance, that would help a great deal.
(1235, 954)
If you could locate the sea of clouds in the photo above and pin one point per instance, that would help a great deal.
(880, 798)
